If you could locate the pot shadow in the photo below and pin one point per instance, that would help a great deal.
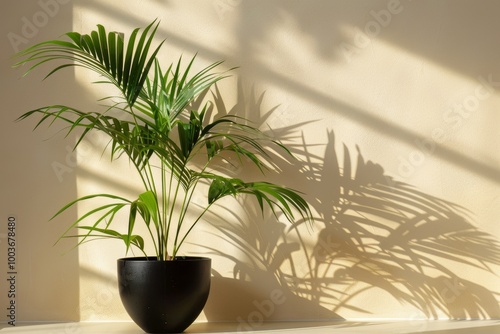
(371, 233)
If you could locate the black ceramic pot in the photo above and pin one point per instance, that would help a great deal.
(164, 296)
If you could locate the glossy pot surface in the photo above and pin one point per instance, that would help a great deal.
(164, 296)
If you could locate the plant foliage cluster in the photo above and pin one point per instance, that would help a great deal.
(154, 123)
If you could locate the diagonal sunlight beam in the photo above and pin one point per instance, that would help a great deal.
(347, 110)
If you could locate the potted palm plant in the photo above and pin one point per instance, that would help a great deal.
(154, 123)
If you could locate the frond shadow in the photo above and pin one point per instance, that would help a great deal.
(372, 232)
(384, 234)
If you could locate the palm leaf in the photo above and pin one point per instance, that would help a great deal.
(285, 199)
(156, 125)
(101, 54)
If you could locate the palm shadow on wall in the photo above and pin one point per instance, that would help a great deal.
(379, 233)
(371, 232)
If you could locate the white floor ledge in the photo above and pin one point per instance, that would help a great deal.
(340, 327)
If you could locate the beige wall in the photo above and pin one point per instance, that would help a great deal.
(391, 107)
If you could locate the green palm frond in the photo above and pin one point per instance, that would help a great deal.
(168, 94)
(125, 66)
(285, 199)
